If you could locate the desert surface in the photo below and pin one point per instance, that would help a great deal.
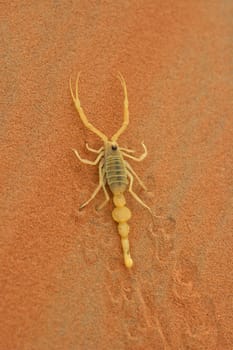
(63, 283)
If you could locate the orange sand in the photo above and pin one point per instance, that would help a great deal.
(63, 282)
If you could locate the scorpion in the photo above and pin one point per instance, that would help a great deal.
(114, 170)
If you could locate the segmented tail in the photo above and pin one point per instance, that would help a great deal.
(122, 214)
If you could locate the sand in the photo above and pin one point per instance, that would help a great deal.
(63, 281)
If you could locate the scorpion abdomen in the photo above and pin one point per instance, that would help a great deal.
(116, 175)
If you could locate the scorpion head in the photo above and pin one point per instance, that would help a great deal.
(111, 147)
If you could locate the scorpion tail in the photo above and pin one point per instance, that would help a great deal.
(122, 214)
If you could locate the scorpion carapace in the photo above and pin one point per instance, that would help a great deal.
(114, 170)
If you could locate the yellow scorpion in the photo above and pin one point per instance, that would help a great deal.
(114, 170)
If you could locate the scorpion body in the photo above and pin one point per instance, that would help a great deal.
(114, 170)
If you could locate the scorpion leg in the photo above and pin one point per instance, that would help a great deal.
(126, 110)
(135, 175)
(139, 159)
(86, 161)
(94, 150)
(99, 207)
(134, 194)
(97, 188)
(127, 150)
